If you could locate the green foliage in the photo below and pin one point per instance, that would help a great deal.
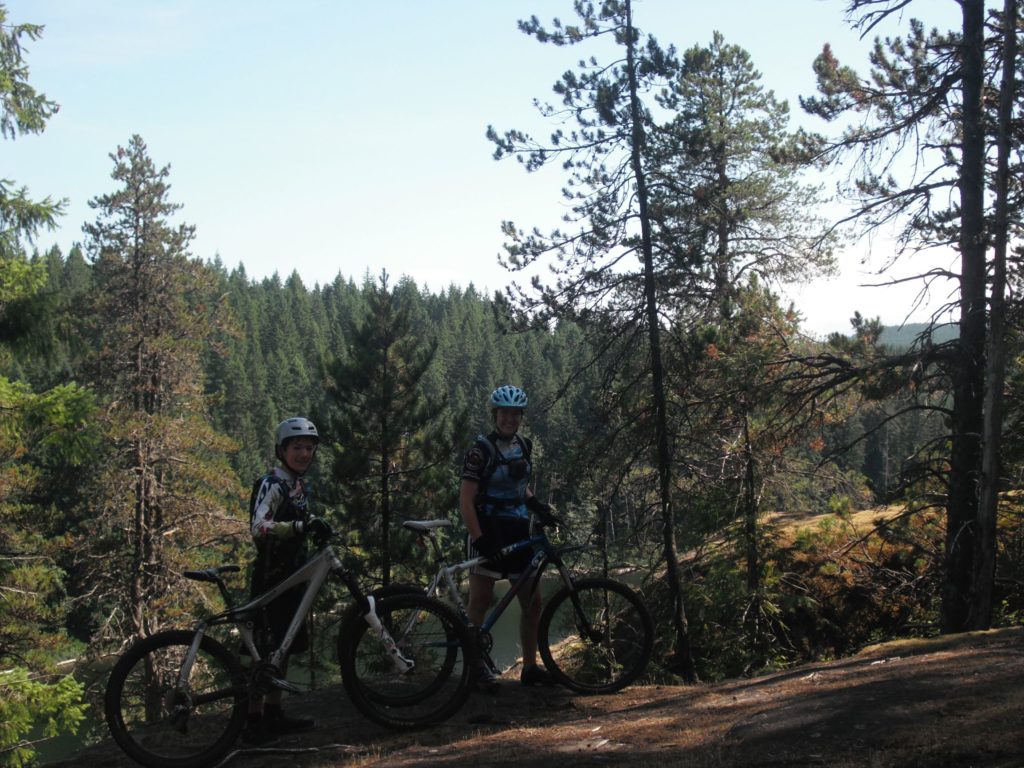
(827, 590)
(28, 702)
(22, 110)
(19, 277)
(392, 444)
(39, 434)
(42, 434)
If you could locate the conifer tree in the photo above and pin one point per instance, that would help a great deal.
(392, 444)
(605, 271)
(41, 432)
(924, 102)
(166, 497)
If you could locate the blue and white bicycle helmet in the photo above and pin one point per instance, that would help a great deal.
(507, 396)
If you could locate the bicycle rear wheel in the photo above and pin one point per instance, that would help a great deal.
(596, 637)
(162, 725)
(425, 631)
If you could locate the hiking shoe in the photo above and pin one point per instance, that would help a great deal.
(535, 675)
(485, 679)
(277, 722)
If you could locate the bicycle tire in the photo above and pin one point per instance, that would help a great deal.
(160, 728)
(397, 588)
(425, 630)
(616, 649)
(391, 590)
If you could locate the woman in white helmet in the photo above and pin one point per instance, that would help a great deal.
(280, 522)
(496, 500)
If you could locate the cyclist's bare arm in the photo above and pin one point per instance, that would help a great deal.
(467, 506)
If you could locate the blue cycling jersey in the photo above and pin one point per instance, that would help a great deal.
(502, 468)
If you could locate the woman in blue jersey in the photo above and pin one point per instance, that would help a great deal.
(495, 500)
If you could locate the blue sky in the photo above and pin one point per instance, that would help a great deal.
(335, 136)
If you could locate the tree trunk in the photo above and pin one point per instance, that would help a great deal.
(750, 512)
(968, 387)
(683, 662)
(985, 559)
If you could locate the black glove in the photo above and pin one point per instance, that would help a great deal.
(542, 512)
(318, 528)
(486, 546)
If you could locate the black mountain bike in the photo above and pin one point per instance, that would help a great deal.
(595, 634)
(179, 698)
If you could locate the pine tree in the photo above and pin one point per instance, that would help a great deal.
(392, 445)
(41, 433)
(726, 186)
(924, 100)
(605, 271)
(166, 497)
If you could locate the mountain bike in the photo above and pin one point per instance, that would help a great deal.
(595, 634)
(179, 698)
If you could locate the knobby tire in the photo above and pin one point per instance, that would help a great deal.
(160, 727)
(607, 652)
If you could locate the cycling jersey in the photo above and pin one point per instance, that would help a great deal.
(278, 500)
(502, 469)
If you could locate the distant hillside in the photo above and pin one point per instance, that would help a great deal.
(903, 337)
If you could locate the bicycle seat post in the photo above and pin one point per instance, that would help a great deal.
(224, 592)
(435, 543)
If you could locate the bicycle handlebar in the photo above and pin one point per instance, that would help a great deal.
(211, 574)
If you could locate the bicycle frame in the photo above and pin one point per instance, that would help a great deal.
(313, 573)
(447, 574)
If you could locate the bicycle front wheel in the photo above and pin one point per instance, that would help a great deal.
(425, 632)
(162, 724)
(596, 637)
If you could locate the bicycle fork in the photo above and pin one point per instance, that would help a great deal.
(178, 700)
(400, 663)
(368, 604)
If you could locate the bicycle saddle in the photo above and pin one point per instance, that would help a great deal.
(423, 526)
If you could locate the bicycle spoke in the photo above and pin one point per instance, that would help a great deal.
(596, 638)
(161, 723)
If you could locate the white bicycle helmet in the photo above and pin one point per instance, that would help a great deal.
(295, 427)
(507, 396)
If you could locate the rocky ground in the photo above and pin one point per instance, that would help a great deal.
(949, 702)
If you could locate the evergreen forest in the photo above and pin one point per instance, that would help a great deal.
(777, 498)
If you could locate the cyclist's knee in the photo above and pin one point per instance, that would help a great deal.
(481, 592)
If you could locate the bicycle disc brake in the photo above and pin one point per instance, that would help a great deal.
(179, 707)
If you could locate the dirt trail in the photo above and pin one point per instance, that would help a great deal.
(944, 703)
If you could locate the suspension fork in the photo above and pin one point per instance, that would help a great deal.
(368, 608)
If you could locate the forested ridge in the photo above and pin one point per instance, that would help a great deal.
(777, 498)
